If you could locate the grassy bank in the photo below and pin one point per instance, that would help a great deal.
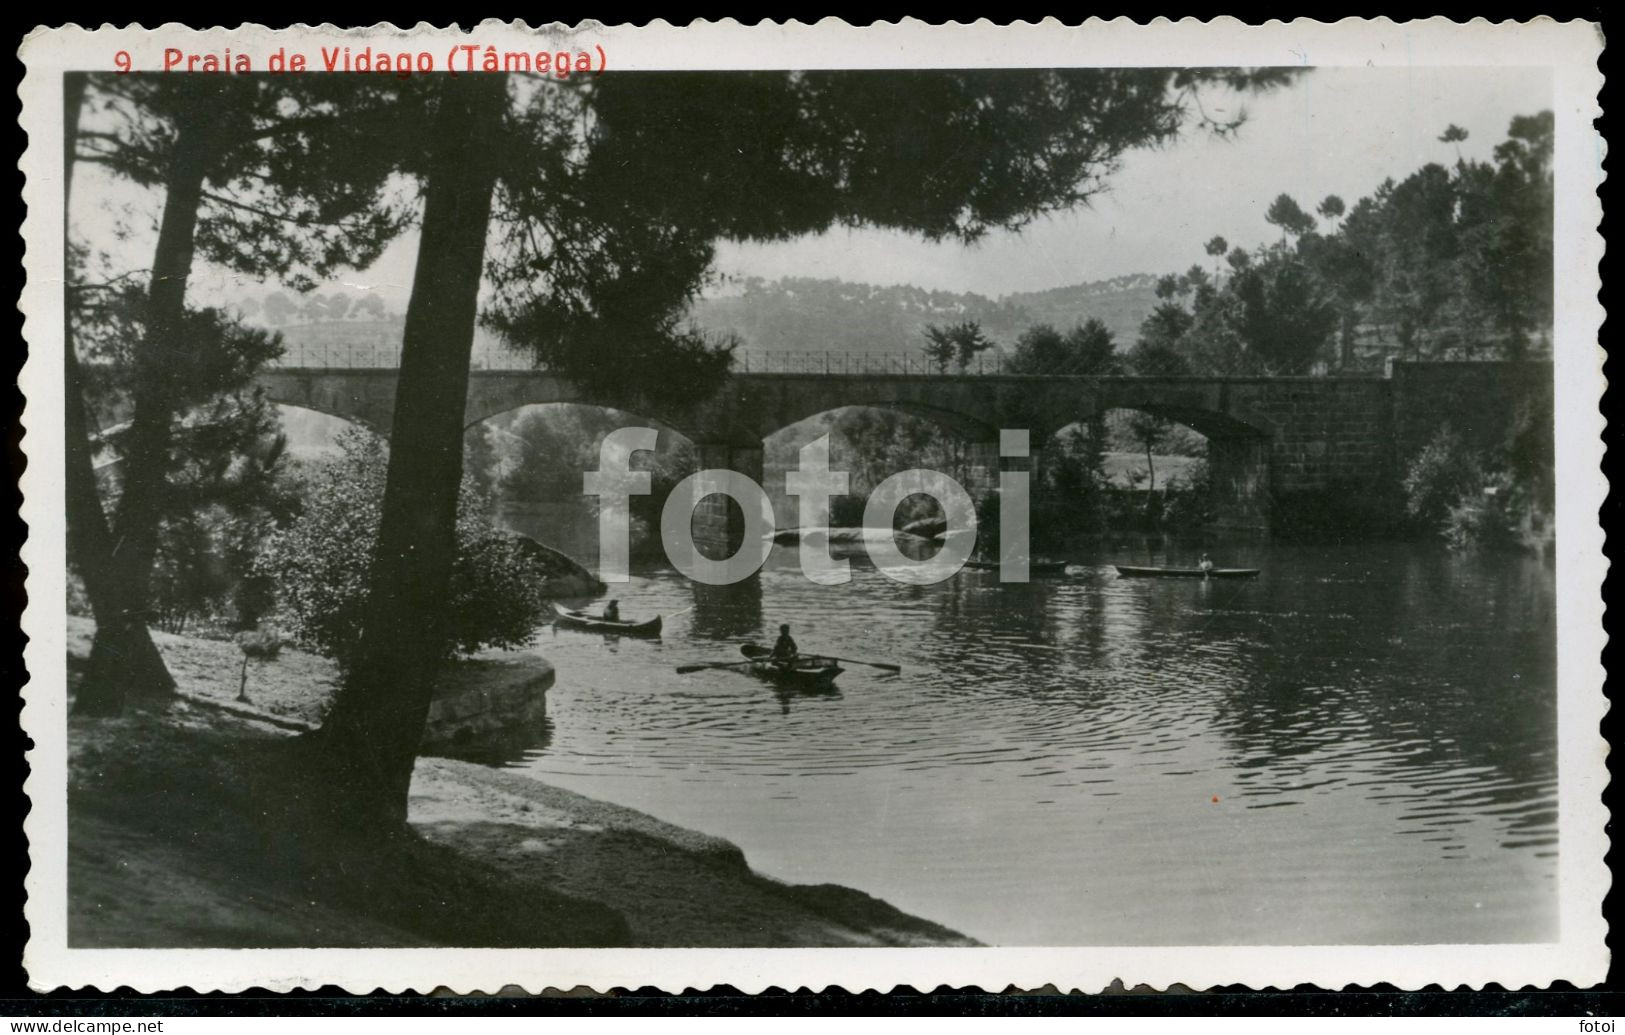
(183, 831)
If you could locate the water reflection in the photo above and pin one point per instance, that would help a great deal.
(726, 612)
(786, 695)
(1098, 760)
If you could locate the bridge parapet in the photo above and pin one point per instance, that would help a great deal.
(1269, 438)
(380, 354)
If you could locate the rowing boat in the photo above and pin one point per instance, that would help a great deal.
(1129, 571)
(599, 624)
(809, 672)
(1033, 567)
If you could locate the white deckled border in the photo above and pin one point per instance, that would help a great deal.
(1570, 50)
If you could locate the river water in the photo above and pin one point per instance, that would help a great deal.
(1359, 746)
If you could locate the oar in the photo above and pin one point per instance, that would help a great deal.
(684, 670)
(882, 665)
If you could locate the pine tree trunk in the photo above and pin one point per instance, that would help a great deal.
(117, 665)
(121, 660)
(1151, 511)
(376, 725)
(122, 654)
(124, 644)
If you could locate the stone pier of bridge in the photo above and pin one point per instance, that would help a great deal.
(717, 523)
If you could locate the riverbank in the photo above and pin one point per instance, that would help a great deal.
(178, 837)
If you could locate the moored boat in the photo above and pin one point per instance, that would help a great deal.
(597, 623)
(809, 672)
(1129, 571)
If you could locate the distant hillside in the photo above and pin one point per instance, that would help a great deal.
(1121, 303)
(798, 314)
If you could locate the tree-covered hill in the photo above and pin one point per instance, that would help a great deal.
(804, 314)
(1121, 303)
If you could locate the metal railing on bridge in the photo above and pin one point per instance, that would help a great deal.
(908, 364)
(387, 356)
(370, 356)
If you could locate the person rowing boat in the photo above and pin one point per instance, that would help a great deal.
(784, 649)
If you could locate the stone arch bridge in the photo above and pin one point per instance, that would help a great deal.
(1270, 438)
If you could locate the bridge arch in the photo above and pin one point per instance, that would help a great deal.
(494, 393)
(767, 403)
(1275, 437)
(1240, 438)
(531, 459)
(965, 426)
(365, 397)
(473, 418)
(287, 408)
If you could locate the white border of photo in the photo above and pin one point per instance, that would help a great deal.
(1570, 50)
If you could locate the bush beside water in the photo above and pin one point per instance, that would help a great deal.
(320, 562)
(1496, 499)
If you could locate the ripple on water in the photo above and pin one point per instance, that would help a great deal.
(1191, 748)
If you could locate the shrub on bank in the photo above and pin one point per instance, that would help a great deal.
(1439, 478)
(1469, 498)
(319, 562)
(1189, 499)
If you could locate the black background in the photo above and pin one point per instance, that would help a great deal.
(17, 999)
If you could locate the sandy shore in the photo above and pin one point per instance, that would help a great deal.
(171, 844)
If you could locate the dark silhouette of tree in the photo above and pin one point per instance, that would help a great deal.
(939, 346)
(373, 731)
(1453, 134)
(1154, 357)
(223, 478)
(1086, 349)
(1150, 432)
(1509, 275)
(1150, 358)
(1283, 317)
(1445, 263)
(1074, 473)
(1163, 332)
(270, 175)
(1287, 214)
(957, 343)
(1346, 272)
(1216, 247)
(90, 539)
(1272, 316)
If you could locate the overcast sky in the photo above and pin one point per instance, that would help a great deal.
(1335, 131)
